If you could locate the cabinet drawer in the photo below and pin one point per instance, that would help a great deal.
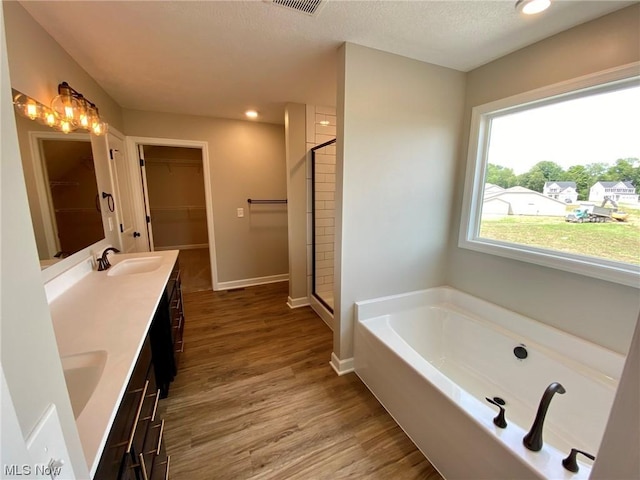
(153, 449)
(161, 468)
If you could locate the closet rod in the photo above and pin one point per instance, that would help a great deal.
(264, 202)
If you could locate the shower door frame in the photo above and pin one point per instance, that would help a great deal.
(313, 225)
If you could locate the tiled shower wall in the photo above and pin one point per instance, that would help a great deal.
(325, 200)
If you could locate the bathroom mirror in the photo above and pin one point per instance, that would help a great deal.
(61, 185)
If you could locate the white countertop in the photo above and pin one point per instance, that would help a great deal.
(112, 313)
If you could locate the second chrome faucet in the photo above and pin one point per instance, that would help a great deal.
(533, 439)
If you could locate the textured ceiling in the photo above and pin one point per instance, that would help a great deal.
(219, 58)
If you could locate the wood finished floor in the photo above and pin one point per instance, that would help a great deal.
(255, 398)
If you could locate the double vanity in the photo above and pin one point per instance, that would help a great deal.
(119, 335)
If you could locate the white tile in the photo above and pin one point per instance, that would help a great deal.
(329, 130)
(323, 138)
(326, 110)
(325, 196)
(325, 168)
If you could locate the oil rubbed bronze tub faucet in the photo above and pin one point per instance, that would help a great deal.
(533, 439)
(103, 260)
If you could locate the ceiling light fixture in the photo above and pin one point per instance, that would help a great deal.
(251, 114)
(69, 111)
(324, 123)
(531, 7)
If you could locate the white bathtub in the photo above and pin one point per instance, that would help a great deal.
(432, 356)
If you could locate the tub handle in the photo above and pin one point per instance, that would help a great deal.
(499, 420)
(570, 462)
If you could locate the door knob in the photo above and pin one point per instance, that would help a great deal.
(136, 234)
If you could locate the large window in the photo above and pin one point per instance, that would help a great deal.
(553, 177)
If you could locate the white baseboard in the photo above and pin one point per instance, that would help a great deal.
(323, 313)
(298, 302)
(250, 282)
(184, 247)
(342, 367)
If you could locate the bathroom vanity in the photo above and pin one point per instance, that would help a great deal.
(121, 328)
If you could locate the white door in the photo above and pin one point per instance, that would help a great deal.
(121, 172)
(145, 192)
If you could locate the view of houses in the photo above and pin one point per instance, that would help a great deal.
(554, 198)
(508, 194)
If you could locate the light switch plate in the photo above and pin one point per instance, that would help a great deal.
(47, 449)
(240, 212)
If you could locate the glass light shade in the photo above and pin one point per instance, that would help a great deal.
(99, 127)
(27, 106)
(66, 107)
(66, 126)
(47, 117)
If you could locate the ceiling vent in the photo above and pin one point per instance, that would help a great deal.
(308, 7)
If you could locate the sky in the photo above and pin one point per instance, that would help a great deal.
(598, 128)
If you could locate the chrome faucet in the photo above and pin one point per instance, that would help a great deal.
(533, 439)
(103, 260)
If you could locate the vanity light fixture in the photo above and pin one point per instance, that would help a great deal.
(69, 111)
(251, 114)
(531, 7)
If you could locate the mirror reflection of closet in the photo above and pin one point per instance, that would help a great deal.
(61, 184)
(74, 202)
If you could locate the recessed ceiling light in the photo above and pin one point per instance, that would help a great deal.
(531, 7)
(251, 114)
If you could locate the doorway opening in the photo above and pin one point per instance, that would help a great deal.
(174, 185)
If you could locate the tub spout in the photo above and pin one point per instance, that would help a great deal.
(533, 439)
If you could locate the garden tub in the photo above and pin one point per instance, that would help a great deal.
(432, 357)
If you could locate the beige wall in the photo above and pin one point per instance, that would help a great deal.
(398, 138)
(294, 121)
(247, 160)
(28, 351)
(597, 310)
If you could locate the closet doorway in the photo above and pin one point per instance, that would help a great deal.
(174, 180)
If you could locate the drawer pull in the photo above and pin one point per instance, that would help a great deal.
(135, 422)
(181, 349)
(160, 437)
(155, 406)
(143, 467)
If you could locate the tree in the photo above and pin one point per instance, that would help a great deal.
(580, 175)
(501, 176)
(541, 173)
(625, 169)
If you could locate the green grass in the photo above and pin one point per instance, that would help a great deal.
(619, 241)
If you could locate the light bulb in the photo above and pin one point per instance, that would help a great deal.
(99, 128)
(65, 105)
(65, 126)
(27, 106)
(50, 118)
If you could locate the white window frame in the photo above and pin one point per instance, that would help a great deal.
(481, 116)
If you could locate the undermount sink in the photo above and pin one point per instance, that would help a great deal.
(132, 266)
(82, 373)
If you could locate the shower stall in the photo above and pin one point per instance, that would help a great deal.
(323, 204)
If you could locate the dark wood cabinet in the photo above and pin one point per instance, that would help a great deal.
(134, 449)
(134, 426)
(166, 332)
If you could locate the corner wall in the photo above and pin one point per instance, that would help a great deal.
(398, 138)
(599, 311)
